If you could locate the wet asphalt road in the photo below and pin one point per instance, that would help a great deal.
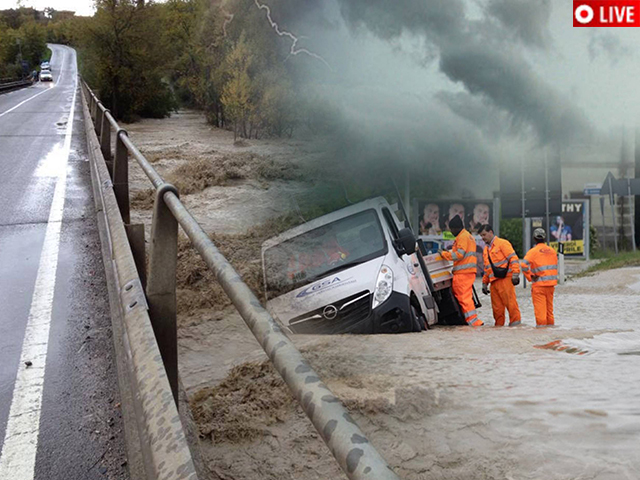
(79, 432)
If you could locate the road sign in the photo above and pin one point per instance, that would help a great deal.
(592, 189)
(612, 186)
(620, 186)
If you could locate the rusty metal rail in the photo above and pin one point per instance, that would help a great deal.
(348, 444)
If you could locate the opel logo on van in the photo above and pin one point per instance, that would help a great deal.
(330, 312)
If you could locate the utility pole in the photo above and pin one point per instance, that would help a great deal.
(524, 219)
(546, 194)
(612, 202)
(407, 194)
(636, 205)
(631, 220)
(604, 225)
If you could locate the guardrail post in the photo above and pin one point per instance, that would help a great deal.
(105, 141)
(121, 175)
(161, 283)
(98, 120)
(94, 110)
(135, 235)
(89, 98)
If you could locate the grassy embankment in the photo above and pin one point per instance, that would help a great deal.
(610, 260)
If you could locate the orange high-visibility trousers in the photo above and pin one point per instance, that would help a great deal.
(543, 304)
(503, 295)
(463, 291)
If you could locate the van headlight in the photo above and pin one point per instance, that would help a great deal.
(384, 286)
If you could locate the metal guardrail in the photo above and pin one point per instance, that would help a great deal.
(5, 87)
(348, 444)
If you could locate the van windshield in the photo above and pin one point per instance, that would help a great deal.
(327, 249)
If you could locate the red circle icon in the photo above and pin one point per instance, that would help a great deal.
(584, 14)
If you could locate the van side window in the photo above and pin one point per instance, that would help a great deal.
(390, 222)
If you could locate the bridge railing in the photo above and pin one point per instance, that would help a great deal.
(7, 86)
(354, 453)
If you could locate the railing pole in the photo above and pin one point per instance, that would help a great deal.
(98, 120)
(161, 283)
(105, 141)
(135, 234)
(121, 176)
(95, 110)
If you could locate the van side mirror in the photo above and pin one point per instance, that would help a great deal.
(406, 242)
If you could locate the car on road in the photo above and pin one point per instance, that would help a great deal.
(44, 66)
(45, 76)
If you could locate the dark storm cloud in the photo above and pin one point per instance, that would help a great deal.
(434, 18)
(477, 111)
(481, 56)
(402, 130)
(512, 86)
(525, 20)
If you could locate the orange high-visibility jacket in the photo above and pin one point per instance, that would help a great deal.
(502, 254)
(540, 266)
(463, 254)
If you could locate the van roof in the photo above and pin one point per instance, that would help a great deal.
(377, 203)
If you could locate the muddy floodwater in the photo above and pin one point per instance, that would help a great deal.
(452, 403)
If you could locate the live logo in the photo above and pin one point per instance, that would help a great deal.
(617, 14)
(606, 13)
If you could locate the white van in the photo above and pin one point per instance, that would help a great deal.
(354, 270)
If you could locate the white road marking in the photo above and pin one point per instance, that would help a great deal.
(64, 57)
(24, 101)
(18, 456)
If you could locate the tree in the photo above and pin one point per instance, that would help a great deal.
(25, 43)
(237, 92)
(33, 39)
(124, 58)
(277, 106)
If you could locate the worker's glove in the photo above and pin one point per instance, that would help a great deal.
(485, 288)
(515, 280)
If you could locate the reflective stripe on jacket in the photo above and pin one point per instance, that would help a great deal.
(463, 254)
(540, 266)
(502, 254)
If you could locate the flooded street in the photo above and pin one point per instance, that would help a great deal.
(459, 403)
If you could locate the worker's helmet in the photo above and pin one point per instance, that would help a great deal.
(539, 233)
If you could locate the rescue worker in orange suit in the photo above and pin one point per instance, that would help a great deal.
(463, 255)
(540, 266)
(502, 272)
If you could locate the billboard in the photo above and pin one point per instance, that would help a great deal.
(434, 215)
(569, 227)
(433, 222)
